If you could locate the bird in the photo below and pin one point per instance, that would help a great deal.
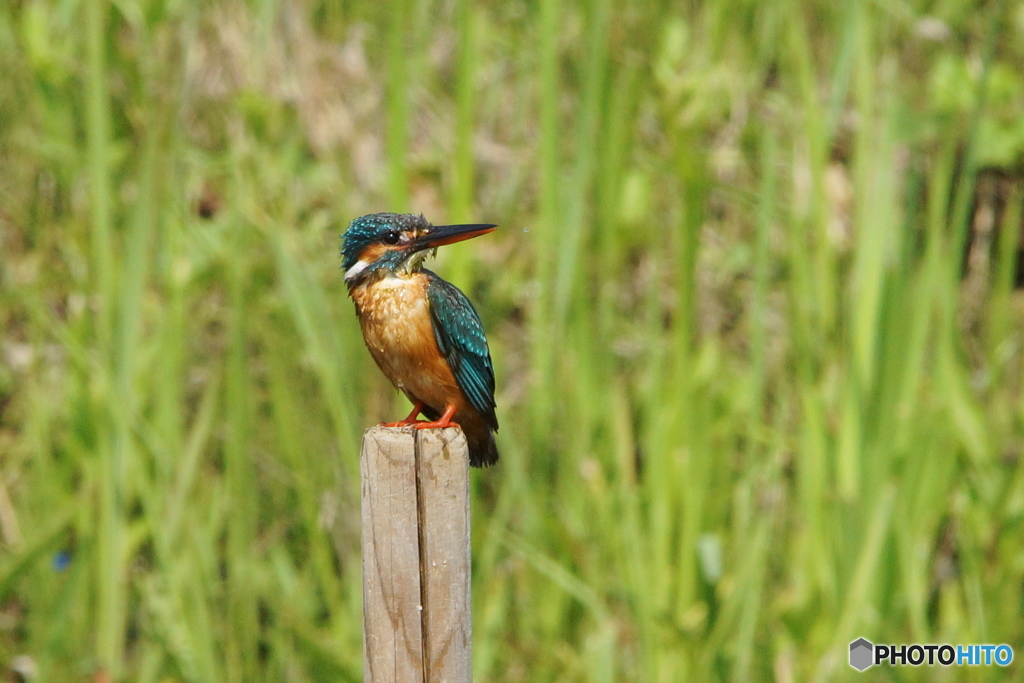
(422, 331)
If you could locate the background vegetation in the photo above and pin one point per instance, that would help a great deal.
(753, 311)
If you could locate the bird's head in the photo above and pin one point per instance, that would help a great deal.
(383, 243)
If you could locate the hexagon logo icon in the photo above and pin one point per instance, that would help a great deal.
(861, 651)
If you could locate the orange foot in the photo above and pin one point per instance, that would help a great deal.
(410, 419)
(440, 423)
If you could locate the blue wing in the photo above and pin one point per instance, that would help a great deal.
(460, 336)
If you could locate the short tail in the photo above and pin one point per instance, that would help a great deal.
(483, 452)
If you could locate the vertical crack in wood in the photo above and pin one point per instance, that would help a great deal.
(421, 525)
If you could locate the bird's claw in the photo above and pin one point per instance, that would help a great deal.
(436, 424)
(400, 423)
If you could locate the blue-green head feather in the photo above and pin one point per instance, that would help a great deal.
(376, 228)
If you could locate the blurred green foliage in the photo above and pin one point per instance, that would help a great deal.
(752, 308)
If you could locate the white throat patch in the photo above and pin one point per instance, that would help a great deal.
(353, 272)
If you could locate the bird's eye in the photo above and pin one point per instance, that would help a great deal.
(391, 237)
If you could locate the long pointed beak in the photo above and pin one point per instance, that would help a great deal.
(440, 235)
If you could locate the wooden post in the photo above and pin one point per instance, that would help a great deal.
(416, 599)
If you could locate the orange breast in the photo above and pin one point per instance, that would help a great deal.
(395, 319)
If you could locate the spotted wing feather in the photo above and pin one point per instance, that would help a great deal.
(460, 337)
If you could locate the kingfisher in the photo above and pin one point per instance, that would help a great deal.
(423, 332)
